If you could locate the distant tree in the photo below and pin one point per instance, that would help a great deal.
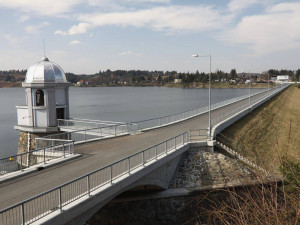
(298, 75)
(233, 74)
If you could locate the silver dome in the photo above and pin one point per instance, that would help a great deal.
(45, 71)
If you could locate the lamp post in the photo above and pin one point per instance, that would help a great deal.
(209, 95)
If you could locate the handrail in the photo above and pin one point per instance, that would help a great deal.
(88, 179)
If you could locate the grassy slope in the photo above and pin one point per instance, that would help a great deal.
(271, 131)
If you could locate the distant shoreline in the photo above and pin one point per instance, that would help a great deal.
(168, 85)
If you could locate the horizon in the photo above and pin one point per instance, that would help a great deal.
(84, 37)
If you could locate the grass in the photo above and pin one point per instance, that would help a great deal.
(270, 132)
(270, 135)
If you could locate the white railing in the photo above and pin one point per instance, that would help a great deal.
(54, 200)
(42, 155)
(227, 115)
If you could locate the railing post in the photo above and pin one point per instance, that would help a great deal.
(21, 162)
(143, 158)
(156, 152)
(44, 155)
(60, 200)
(175, 143)
(111, 175)
(64, 150)
(166, 147)
(85, 135)
(23, 214)
(115, 130)
(128, 165)
(88, 185)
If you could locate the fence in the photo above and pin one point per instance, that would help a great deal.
(226, 115)
(31, 210)
(34, 157)
(163, 121)
(223, 142)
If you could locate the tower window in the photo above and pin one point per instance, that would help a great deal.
(39, 98)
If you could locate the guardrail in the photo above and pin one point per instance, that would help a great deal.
(34, 157)
(198, 135)
(167, 120)
(54, 200)
(83, 135)
(221, 142)
(226, 115)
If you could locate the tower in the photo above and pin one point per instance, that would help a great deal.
(47, 99)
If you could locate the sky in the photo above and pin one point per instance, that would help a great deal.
(85, 36)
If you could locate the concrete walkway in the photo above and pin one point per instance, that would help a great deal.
(96, 155)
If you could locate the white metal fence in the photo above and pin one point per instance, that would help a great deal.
(54, 200)
(31, 158)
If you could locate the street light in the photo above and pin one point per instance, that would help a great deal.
(209, 95)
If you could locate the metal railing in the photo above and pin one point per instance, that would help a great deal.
(166, 120)
(92, 133)
(198, 135)
(54, 200)
(222, 141)
(35, 157)
(227, 115)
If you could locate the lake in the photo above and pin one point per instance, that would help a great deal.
(123, 104)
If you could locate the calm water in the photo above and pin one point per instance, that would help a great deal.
(111, 103)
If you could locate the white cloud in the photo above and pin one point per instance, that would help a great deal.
(40, 7)
(125, 53)
(76, 29)
(75, 42)
(34, 29)
(276, 30)
(169, 19)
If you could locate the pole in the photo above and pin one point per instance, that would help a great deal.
(268, 86)
(249, 90)
(209, 101)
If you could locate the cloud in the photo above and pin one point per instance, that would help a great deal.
(34, 29)
(75, 42)
(125, 53)
(168, 19)
(275, 30)
(76, 29)
(39, 7)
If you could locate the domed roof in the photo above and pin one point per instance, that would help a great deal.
(45, 71)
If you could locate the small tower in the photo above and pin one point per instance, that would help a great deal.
(47, 99)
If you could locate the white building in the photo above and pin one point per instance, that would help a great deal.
(47, 98)
(282, 79)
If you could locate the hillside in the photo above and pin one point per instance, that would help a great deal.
(270, 132)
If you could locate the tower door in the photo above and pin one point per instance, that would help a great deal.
(60, 113)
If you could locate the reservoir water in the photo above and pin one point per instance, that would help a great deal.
(124, 104)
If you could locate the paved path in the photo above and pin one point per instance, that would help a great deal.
(96, 155)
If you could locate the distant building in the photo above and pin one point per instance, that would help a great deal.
(80, 83)
(282, 79)
(177, 81)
